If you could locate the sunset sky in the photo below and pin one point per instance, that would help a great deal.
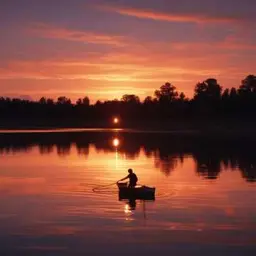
(107, 48)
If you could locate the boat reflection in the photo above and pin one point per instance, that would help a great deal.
(130, 206)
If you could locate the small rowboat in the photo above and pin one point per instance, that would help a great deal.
(138, 192)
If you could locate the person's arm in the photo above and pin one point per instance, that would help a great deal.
(124, 178)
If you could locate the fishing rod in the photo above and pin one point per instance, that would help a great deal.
(102, 187)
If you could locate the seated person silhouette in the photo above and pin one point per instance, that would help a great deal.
(132, 179)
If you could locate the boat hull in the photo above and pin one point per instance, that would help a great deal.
(139, 192)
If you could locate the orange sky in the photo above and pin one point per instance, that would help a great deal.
(107, 48)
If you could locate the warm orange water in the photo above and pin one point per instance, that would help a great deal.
(47, 206)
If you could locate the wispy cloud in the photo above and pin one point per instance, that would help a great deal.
(55, 78)
(98, 71)
(48, 31)
(169, 17)
(227, 45)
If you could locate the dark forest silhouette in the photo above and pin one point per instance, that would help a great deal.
(212, 156)
(209, 102)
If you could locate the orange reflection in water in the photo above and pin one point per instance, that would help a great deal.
(116, 142)
(65, 182)
(127, 209)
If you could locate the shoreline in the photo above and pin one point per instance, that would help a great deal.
(219, 128)
(218, 134)
(120, 130)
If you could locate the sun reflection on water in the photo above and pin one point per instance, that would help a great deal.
(127, 209)
(116, 142)
(128, 212)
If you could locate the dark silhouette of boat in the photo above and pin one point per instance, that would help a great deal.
(138, 192)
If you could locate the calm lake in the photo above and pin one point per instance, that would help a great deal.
(56, 196)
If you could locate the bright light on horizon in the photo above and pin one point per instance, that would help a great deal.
(116, 120)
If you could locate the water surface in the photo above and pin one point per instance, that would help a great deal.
(205, 199)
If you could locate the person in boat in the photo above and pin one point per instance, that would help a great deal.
(132, 178)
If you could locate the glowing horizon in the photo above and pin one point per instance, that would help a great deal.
(106, 48)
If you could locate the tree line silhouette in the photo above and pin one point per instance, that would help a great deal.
(210, 100)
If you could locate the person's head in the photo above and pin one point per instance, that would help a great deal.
(130, 171)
